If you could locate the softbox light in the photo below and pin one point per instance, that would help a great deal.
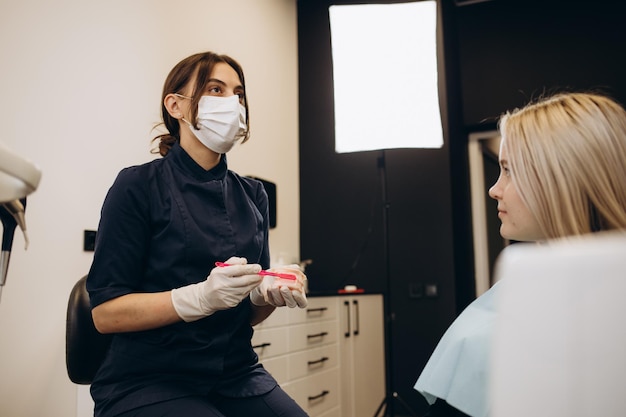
(385, 76)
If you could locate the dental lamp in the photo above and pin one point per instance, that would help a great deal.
(18, 178)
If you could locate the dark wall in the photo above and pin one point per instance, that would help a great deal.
(511, 51)
(495, 56)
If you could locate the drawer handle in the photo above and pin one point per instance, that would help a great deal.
(321, 395)
(311, 336)
(358, 321)
(349, 320)
(316, 310)
(320, 360)
(261, 346)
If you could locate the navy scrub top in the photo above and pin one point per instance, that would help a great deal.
(163, 225)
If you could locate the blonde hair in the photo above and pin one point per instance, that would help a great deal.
(567, 155)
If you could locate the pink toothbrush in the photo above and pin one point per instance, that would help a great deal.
(264, 272)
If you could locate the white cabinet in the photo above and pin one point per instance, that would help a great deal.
(330, 356)
(299, 347)
(362, 350)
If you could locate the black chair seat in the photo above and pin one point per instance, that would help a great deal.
(85, 347)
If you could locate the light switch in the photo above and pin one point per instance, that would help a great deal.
(89, 240)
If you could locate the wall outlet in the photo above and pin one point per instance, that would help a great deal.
(89, 240)
(416, 290)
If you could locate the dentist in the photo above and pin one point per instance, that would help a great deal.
(182, 327)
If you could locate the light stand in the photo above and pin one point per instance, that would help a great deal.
(405, 36)
(387, 405)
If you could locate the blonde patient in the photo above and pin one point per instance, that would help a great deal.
(562, 175)
(181, 325)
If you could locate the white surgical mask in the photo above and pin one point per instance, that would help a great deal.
(221, 122)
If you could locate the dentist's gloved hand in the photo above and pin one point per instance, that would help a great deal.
(224, 288)
(280, 292)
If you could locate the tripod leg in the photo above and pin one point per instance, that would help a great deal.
(404, 404)
(381, 407)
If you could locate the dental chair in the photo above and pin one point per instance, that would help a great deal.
(559, 345)
(85, 347)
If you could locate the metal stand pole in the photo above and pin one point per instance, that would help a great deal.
(387, 403)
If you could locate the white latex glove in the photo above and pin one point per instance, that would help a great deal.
(224, 288)
(281, 292)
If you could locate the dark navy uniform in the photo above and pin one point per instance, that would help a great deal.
(163, 225)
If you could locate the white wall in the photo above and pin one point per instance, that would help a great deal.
(80, 86)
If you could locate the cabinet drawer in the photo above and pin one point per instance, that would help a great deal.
(278, 368)
(319, 308)
(279, 317)
(335, 412)
(316, 394)
(313, 361)
(310, 335)
(272, 342)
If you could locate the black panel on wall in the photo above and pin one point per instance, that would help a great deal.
(421, 256)
(341, 215)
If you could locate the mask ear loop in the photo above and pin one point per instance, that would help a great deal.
(179, 114)
(188, 124)
(243, 119)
